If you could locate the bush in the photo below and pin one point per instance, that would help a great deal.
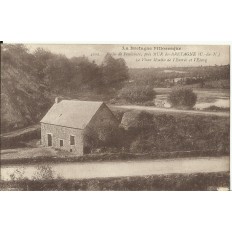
(139, 120)
(182, 98)
(149, 103)
(137, 93)
(164, 132)
(182, 182)
(216, 108)
(106, 136)
(44, 172)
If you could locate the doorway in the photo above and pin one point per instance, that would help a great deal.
(49, 140)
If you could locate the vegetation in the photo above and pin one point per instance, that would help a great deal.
(114, 155)
(19, 138)
(182, 98)
(136, 93)
(30, 81)
(57, 71)
(181, 182)
(216, 108)
(146, 132)
(107, 136)
(114, 70)
(44, 172)
(201, 76)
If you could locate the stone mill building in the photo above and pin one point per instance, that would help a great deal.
(65, 124)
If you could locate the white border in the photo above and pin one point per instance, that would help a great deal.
(104, 21)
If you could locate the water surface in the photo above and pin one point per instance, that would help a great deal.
(124, 168)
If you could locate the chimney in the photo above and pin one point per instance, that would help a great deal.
(58, 99)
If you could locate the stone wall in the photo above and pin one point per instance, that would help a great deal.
(103, 117)
(100, 129)
(62, 133)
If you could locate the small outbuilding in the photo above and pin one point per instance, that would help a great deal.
(65, 124)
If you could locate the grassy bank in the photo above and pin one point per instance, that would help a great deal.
(19, 138)
(180, 182)
(43, 155)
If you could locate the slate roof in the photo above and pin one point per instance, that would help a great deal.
(72, 113)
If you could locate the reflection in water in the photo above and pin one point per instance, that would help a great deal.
(39, 172)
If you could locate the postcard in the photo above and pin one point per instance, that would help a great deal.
(115, 117)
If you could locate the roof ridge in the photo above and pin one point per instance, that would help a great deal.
(82, 100)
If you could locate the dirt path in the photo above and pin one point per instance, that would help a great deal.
(21, 131)
(165, 110)
(126, 168)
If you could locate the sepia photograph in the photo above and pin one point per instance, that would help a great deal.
(115, 117)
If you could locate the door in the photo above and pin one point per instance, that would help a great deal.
(49, 140)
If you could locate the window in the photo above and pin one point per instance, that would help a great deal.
(61, 142)
(72, 140)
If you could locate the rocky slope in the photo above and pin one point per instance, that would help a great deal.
(23, 100)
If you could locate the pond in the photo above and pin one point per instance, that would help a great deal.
(205, 97)
(121, 168)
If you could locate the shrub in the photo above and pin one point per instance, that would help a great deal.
(149, 103)
(137, 93)
(118, 114)
(139, 120)
(102, 137)
(164, 132)
(18, 174)
(43, 172)
(216, 108)
(182, 98)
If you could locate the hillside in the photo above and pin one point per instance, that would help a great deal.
(31, 81)
(23, 101)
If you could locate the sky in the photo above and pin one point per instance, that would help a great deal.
(146, 55)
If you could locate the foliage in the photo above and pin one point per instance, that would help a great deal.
(114, 70)
(17, 55)
(165, 132)
(18, 174)
(182, 182)
(137, 93)
(217, 109)
(204, 76)
(86, 73)
(41, 60)
(30, 80)
(137, 120)
(182, 98)
(43, 172)
(100, 137)
(57, 71)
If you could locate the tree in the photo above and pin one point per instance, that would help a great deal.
(140, 130)
(42, 57)
(114, 70)
(137, 93)
(87, 73)
(59, 72)
(17, 55)
(182, 98)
